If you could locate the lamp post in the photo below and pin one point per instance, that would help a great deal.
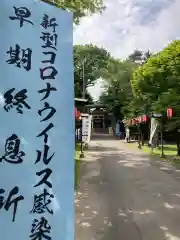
(82, 148)
(83, 74)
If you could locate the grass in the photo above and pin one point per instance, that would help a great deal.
(170, 153)
(77, 163)
(169, 150)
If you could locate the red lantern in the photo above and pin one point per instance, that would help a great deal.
(145, 118)
(77, 114)
(169, 112)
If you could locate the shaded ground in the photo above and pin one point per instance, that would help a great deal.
(123, 194)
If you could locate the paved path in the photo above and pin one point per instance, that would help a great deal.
(125, 195)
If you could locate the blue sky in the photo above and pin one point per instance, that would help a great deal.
(131, 24)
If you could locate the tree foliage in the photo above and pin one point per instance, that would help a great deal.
(157, 82)
(94, 60)
(118, 93)
(80, 8)
(146, 83)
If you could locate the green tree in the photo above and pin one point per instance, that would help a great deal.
(90, 61)
(157, 84)
(80, 8)
(117, 93)
(159, 75)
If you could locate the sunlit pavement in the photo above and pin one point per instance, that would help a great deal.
(125, 195)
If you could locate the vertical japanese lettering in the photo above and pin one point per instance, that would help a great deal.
(40, 230)
(17, 100)
(22, 14)
(20, 57)
(42, 202)
(12, 150)
(12, 200)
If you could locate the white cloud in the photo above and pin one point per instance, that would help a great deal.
(130, 24)
(96, 90)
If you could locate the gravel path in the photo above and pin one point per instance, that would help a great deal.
(125, 195)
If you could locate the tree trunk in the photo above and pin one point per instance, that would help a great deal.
(158, 139)
(178, 143)
(141, 134)
(142, 139)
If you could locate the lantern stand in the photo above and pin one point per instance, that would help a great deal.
(160, 117)
(82, 149)
(139, 138)
(82, 152)
(162, 142)
(144, 121)
(79, 126)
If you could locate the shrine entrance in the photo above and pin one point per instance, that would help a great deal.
(101, 119)
(98, 121)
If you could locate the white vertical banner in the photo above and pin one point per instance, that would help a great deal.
(85, 127)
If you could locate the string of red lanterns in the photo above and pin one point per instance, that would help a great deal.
(145, 118)
(140, 119)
